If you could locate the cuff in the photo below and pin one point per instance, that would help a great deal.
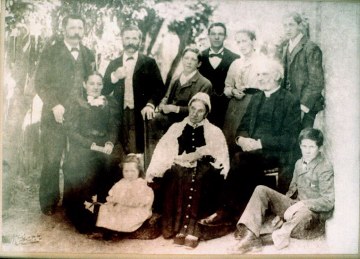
(150, 105)
(304, 108)
(109, 143)
(237, 140)
(114, 79)
(228, 91)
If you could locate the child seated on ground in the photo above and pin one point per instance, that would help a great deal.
(130, 200)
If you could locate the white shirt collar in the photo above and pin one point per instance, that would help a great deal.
(69, 47)
(294, 42)
(183, 78)
(270, 92)
(135, 56)
(213, 52)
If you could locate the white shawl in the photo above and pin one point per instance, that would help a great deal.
(167, 149)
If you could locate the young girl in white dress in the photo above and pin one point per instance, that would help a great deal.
(130, 200)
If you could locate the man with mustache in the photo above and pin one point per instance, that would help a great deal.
(136, 83)
(59, 76)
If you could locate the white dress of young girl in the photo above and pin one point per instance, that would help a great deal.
(128, 206)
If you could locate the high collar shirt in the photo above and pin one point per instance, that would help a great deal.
(184, 79)
(215, 61)
(129, 63)
(293, 43)
(270, 92)
(75, 54)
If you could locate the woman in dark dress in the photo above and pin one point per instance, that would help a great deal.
(90, 167)
(192, 158)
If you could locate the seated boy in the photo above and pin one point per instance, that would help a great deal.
(305, 207)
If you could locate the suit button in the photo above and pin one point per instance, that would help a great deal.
(190, 197)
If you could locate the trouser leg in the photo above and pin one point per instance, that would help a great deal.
(262, 199)
(53, 143)
(128, 133)
(300, 222)
(247, 171)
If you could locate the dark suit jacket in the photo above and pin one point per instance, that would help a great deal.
(217, 76)
(183, 94)
(280, 140)
(305, 72)
(148, 87)
(55, 76)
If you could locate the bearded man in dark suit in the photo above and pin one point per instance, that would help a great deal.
(214, 66)
(136, 83)
(59, 80)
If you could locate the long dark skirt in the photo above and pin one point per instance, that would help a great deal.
(87, 173)
(189, 195)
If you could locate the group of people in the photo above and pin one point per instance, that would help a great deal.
(212, 136)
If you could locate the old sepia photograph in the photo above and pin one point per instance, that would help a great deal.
(179, 127)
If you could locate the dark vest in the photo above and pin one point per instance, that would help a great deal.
(191, 138)
(264, 117)
(78, 90)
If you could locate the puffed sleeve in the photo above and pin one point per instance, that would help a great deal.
(165, 152)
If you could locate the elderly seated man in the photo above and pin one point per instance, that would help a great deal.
(266, 138)
(302, 212)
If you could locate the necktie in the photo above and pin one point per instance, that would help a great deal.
(74, 50)
(219, 55)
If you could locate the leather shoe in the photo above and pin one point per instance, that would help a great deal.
(179, 239)
(240, 232)
(249, 242)
(191, 242)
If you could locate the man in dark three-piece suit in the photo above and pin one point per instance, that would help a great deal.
(215, 65)
(59, 81)
(136, 83)
(304, 75)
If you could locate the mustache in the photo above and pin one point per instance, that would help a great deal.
(75, 36)
(131, 46)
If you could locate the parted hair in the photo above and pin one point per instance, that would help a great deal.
(192, 49)
(66, 19)
(312, 134)
(217, 24)
(131, 27)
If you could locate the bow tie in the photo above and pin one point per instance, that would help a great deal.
(74, 50)
(219, 55)
(130, 58)
(98, 101)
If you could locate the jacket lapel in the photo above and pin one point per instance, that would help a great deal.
(297, 48)
(191, 80)
(284, 51)
(139, 63)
